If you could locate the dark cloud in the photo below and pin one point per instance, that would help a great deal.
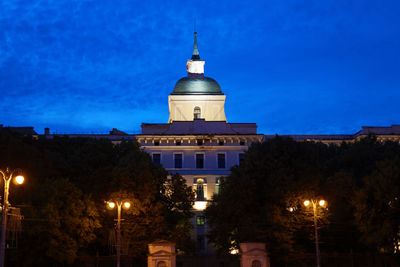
(308, 67)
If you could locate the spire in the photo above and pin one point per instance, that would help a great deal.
(195, 55)
(195, 66)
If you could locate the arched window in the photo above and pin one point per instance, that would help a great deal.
(161, 264)
(256, 263)
(197, 113)
(200, 189)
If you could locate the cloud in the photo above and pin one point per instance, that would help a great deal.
(82, 64)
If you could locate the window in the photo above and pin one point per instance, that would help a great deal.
(178, 160)
(199, 142)
(241, 158)
(200, 190)
(178, 143)
(221, 143)
(197, 113)
(217, 185)
(157, 158)
(242, 143)
(200, 220)
(221, 160)
(199, 161)
(156, 143)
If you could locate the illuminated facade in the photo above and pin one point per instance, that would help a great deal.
(198, 142)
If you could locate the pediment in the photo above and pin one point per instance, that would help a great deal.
(255, 252)
(161, 253)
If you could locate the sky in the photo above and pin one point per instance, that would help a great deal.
(292, 67)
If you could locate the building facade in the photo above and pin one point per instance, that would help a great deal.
(198, 142)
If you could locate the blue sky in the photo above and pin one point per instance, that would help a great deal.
(293, 67)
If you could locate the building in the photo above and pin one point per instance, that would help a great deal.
(21, 130)
(198, 142)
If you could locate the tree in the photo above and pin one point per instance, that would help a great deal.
(254, 201)
(63, 199)
(179, 200)
(377, 207)
(61, 222)
(161, 204)
(262, 198)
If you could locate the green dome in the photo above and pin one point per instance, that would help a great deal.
(197, 85)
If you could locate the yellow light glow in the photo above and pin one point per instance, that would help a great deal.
(19, 179)
(200, 205)
(322, 203)
(307, 203)
(111, 205)
(233, 251)
(127, 205)
(291, 209)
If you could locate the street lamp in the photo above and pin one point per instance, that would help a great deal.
(314, 203)
(119, 204)
(7, 177)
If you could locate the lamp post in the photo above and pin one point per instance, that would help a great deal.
(119, 204)
(314, 203)
(7, 177)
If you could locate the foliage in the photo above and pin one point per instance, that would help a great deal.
(262, 199)
(68, 181)
(65, 222)
(254, 200)
(161, 205)
(377, 207)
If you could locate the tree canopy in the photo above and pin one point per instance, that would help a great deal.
(63, 199)
(262, 199)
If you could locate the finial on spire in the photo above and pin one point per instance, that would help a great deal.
(195, 54)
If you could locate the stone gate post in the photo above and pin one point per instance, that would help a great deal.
(253, 255)
(161, 254)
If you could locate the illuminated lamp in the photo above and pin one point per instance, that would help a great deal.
(200, 205)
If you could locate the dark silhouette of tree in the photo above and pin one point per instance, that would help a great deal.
(63, 199)
(262, 199)
(377, 207)
(255, 200)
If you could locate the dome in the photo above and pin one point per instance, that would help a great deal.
(197, 85)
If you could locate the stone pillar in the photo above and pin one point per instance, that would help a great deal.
(253, 255)
(161, 254)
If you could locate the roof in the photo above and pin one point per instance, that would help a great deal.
(20, 130)
(115, 131)
(366, 130)
(203, 127)
(197, 84)
(314, 137)
(198, 126)
(195, 55)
